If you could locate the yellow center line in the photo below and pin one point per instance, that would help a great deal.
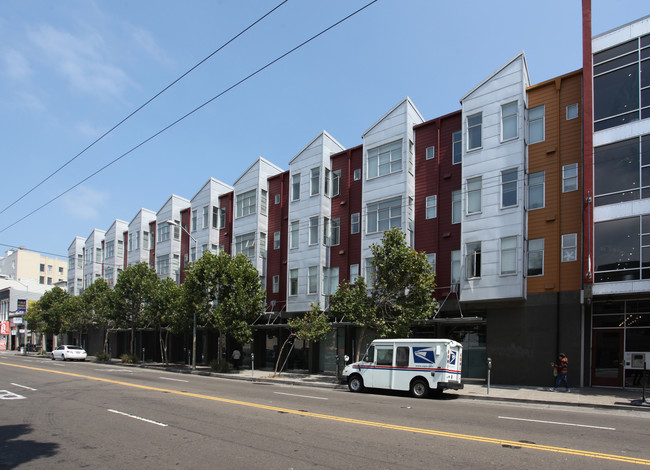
(394, 427)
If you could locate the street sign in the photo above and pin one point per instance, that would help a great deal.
(21, 305)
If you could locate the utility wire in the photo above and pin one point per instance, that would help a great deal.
(189, 114)
(141, 107)
(19, 247)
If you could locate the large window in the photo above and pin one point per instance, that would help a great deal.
(312, 280)
(246, 203)
(384, 215)
(569, 247)
(473, 260)
(622, 249)
(508, 255)
(215, 217)
(162, 265)
(120, 249)
(570, 177)
(432, 207)
(293, 282)
(314, 184)
(245, 244)
(194, 224)
(474, 187)
(536, 190)
(264, 199)
(110, 249)
(385, 159)
(222, 217)
(474, 124)
(330, 280)
(622, 84)
(457, 147)
(335, 232)
(509, 188)
(294, 234)
(509, 121)
(536, 257)
(313, 230)
(295, 187)
(536, 124)
(456, 206)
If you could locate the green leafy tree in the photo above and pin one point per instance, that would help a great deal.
(99, 308)
(164, 312)
(313, 326)
(132, 293)
(48, 313)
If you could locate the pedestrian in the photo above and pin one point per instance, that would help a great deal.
(562, 369)
(236, 356)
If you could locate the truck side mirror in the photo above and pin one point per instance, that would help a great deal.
(346, 358)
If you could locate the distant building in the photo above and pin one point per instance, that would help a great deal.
(25, 264)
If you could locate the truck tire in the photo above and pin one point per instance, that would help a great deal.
(419, 388)
(355, 383)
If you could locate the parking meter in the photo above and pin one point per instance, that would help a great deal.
(252, 364)
(489, 367)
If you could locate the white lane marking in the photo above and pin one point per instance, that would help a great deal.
(138, 417)
(558, 423)
(175, 380)
(127, 371)
(301, 396)
(22, 386)
(7, 395)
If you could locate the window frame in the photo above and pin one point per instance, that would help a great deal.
(275, 284)
(355, 225)
(457, 206)
(375, 208)
(295, 187)
(474, 193)
(536, 184)
(293, 282)
(431, 207)
(314, 181)
(473, 129)
(312, 280)
(394, 162)
(570, 113)
(533, 122)
(294, 235)
(530, 253)
(505, 253)
(567, 256)
(246, 203)
(506, 186)
(574, 178)
(276, 240)
(457, 147)
(430, 153)
(313, 231)
(473, 252)
(506, 120)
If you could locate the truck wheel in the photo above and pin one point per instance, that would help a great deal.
(355, 383)
(419, 388)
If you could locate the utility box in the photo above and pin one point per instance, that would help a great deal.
(635, 360)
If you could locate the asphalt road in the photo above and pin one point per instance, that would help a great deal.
(89, 415)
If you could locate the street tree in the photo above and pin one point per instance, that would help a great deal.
(48, 313)
(164, 312)
(99, 306)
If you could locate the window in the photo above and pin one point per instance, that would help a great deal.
(328, 182)
(145, 240)
(536, 257)
(335, 232)
(456, 206)
(193, 254)
(411, 156)
(509, 255)
(276, 240)
(312, 280)
(355, 223)
(206, 217)
(61, 269)
(572, 111)
(457, 147)
(293, 235)
(354, 273)
(569, 247)
(41, 279)
(536, 124)
(194, 223)
(276, 284)
(409, 215)
(474, 123)
(246, 203)
(326, 231)
(98, 255)
(431, 259)
(621, 169)
(509, 121)
(330, 281)
(49, 269)
(370, 272)
(432, 207)
(509, 188)
(385, 159)
(474, 187)
(162, 265)
(177, 230)
(455, 267)
(402, 356)
(570, 177)
(262, 245)
(332, 182)
(110, 250)
(384, 215)
(357, 174)
(163, 232)
(277, 199)
(621, 249)
(293, 282)
(314, 187)
(431, 152)
(215, 217)
(313, 230)
(119, 253)
(536, 190)
(222, 217)
(120, 248)
(42, 268)
(245, 244)
(263, 201)
(473, 260)
(49, 281)
(384, 357)
(295, 187)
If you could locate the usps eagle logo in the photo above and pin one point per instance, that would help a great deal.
(424, 355)
(452, 357)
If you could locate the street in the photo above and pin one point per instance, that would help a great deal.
(87, 414)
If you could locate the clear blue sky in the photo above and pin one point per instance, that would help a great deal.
(70, 70)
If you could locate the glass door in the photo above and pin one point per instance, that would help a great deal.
(607, 358)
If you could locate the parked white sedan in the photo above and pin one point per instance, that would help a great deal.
(69, 352)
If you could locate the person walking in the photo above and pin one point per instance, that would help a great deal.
(562, 368)
(236, 356)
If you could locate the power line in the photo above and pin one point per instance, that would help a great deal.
(189, 114)
(142, 106)
(20, 247)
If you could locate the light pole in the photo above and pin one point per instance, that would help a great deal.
(176, 224)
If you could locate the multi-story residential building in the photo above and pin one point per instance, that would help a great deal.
(140, 239)
(93, 256)
(113, 251)
(167, 248)
(24, 264)
(76, 266)
(16, 295)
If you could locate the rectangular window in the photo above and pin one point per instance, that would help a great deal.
(335, 237)
(295, 187)
(385, 159)
(432, 207)
(384, 215)
(314, 182)
(473, 260)
(536, 257)
(336, 183)
(431, 152)
(262, 244)
(431, 259)
(474, 188)
(42, 268)
(49, 281)
(536, 190)
(193, 254)
(509, 188)
(276, 240)
(536, 124)
(572, 111)
(41, 279)
(621, 169)
(215, 217)
(245, 244)
(194, 223)
(162, 265)
(474, 125)
(455, 267)
(456, 206)
(312, 280)
(328, 182)
(622, 249)
(411, 156)
(357, 174)
(313, 230)
(277, 199)
(120, 248)
(509, 121)
(276, 284)
(355, 223)
(222, 217)
(98, 255)
(293, 236)
(293, 282)
(145, 240)
(569, 247)
(246, 203)
(206, 216)
(263, 201)
(330, 281)
(110, 249)
(177, 230)
(570, 177)
(457, 147)
(326, 231)
(130, 241)
(509, 255)
(354, 273)
(370, 272)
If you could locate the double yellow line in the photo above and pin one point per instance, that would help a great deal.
(393, 427)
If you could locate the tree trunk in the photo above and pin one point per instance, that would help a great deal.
(132, 339)
(277, 362)
(361, 337)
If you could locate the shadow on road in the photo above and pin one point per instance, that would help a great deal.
(17, 451)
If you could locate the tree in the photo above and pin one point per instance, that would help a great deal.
(99, 305)
(312, 326)
(401, 291)
(132, 293)
(164, 312)
(48, 313)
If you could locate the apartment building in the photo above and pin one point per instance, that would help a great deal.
(140, 238)
(93, 256)
(76, 266)
(166, 251)
(113, 251)
(24, 264)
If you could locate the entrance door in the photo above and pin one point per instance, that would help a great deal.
(607, 358)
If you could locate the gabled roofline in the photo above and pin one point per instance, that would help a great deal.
(321, 134)
(256, 162)
(170, 198)
(439, 118)
(489, 77)
(207, 183)
(82, 239)
(115, 222)
(95, 230)
(408, 100)
(552, 80)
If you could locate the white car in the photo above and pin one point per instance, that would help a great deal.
(69, 352)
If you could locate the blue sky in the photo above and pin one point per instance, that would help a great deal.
(70, 70)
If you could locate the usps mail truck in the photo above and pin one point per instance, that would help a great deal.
(417, 365)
